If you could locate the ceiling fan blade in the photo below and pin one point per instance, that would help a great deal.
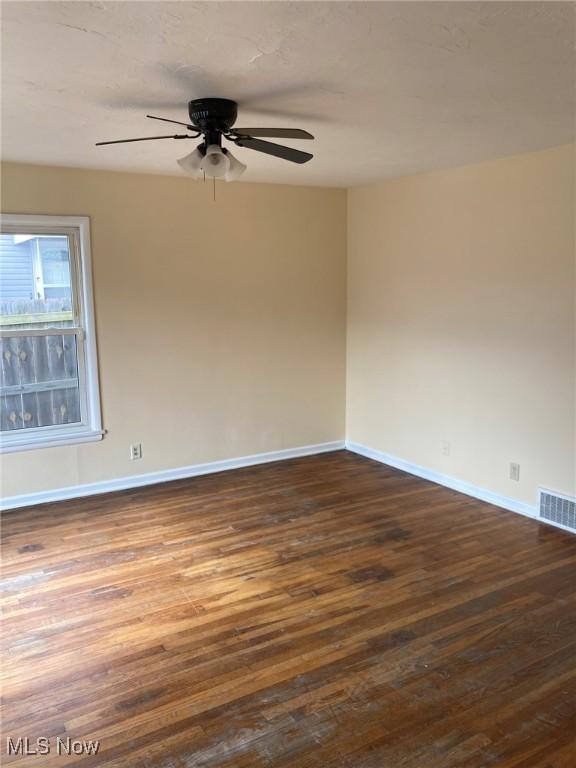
(274, 133)
(145, 138)
(168, 120)
(277, 150)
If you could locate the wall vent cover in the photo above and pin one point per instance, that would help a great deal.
(558, 509)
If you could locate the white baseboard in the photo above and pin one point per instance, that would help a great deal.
(194, 470)
(449, 482)
(164, 476)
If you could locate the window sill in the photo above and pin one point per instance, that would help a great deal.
(49, 441)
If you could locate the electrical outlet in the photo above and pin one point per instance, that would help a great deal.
(135, 451)
(514, 471)
(446, 447)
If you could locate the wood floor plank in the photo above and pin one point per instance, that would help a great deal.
(323, 612)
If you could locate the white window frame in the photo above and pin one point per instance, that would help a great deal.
(89, 429)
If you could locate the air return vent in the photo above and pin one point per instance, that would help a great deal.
(558, 509)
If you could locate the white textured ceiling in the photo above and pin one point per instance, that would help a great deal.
(387, 88)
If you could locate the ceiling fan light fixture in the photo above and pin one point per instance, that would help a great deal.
(235, 167)
(213, 120)
(192, 163)
(215, 164)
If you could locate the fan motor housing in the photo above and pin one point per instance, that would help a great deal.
(213, 114)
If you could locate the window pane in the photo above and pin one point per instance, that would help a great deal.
(35, 281)
(57, 292)
(39, 382)
(55, 260)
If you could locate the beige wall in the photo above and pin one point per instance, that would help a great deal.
(461, 326)
(221, 326)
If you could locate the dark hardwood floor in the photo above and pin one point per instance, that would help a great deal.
(325, 612)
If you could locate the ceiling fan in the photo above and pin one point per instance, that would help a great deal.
(212, 119)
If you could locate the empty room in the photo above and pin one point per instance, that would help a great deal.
(288, 384)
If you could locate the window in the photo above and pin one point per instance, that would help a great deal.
(48, 379)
